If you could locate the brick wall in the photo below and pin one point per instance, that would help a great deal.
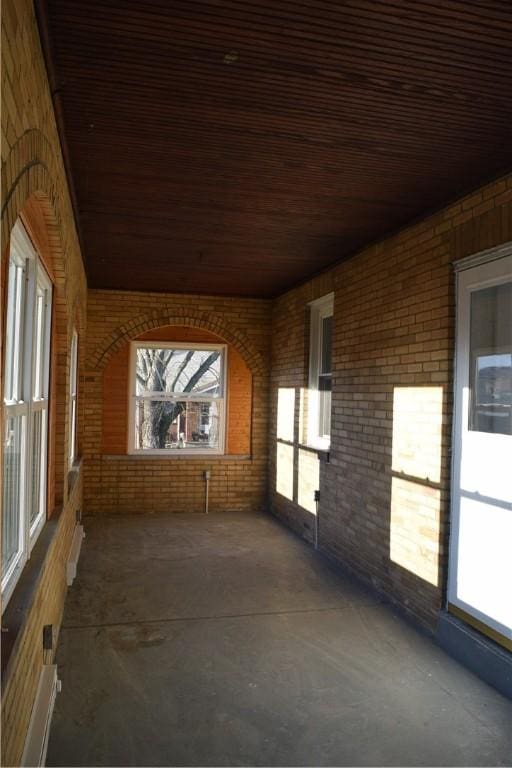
(116, 482)
(385, 493)
(34, 187)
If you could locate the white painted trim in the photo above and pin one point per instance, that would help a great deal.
(172, 453)
(327, 299)
(483, 257)
(20, 242)
(177, 345)
(74, 554)
(36, 742)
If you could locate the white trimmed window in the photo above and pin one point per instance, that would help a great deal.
(320, 372)
(177, 398)
(73, 390)
(26, 400)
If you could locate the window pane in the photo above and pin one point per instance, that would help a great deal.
(325, 412)
(10, 333)
(38, 465)
(74, 364)
(324, 395)
(325, 363)
(179, 371)
(39, 350)
(73, 378)
(491, 360)
(72, 432)
(14, 333)
(174, 425)
(13, 477)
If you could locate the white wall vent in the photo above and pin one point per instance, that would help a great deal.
(38, 733)
(74, 554)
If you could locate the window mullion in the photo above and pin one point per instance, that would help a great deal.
(28, 387)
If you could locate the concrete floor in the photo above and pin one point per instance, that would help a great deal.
(226, 640)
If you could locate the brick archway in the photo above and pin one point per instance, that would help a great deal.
(31, 191)
(26, 172)
(30, 173)
(177, 316)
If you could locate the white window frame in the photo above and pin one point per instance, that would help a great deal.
(73, 393)
(26, 393)
(221, 401)
(319, 310)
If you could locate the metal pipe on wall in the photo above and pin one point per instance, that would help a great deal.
(207, 474)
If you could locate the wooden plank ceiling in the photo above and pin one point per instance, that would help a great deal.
(239, 147)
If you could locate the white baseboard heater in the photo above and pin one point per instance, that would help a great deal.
(36, 743)
(74, 554)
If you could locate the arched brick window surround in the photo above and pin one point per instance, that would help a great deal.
(28, 177)
(178, 316)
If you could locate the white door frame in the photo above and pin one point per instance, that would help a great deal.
(471, 274)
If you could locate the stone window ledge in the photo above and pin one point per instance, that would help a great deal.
(18, 610)
(203, 457)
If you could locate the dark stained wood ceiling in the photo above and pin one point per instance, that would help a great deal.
(239, 147)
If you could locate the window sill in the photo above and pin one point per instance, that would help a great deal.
(203, 457)
(323, 452)
(22, 598)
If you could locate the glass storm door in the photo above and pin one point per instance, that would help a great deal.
(480, 566)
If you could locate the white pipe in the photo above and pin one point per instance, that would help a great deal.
(207, 490)
(317, 502)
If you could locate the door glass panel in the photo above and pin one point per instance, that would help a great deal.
(490, 373)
